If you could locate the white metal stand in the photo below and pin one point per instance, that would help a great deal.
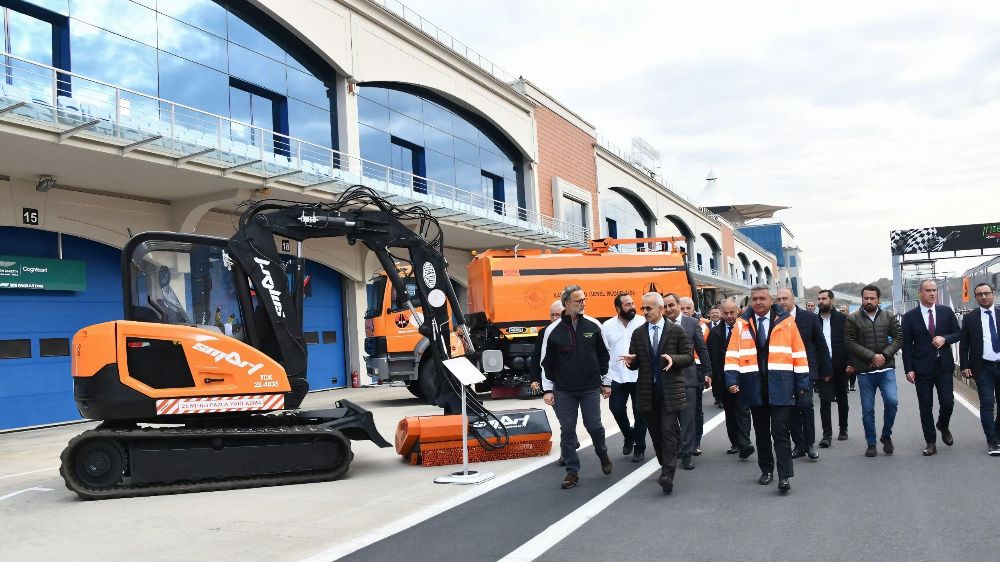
(467, 374)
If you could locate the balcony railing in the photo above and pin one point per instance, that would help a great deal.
(414, 19)
(71, 105)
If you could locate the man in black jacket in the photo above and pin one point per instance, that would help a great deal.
(979, 356)
(574, 377)
(660, 350)
(928, 332)
(835, 387)
(803, 425)
(737, 419)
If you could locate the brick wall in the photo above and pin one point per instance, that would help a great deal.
(566, 152)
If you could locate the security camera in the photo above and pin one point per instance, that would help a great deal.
(44, 183)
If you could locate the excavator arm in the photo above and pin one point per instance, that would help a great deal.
(360, 215)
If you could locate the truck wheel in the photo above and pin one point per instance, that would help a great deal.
(414, 388)
(425, 381)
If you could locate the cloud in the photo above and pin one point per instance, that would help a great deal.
(863, 117)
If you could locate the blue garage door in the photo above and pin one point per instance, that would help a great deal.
(324, 327)
(36, 386)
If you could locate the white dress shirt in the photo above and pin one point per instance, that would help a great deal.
(988, 353)
(923, 312)
(827, 331)
(617, 337)
(649, 329)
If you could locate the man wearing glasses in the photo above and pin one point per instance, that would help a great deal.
(574, 364)
(979, 357)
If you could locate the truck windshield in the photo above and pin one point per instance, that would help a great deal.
(376, 296)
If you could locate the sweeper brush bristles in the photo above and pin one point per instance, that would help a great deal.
(453, 455)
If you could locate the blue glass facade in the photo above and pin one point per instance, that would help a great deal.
(768, 236)
(192, 52)
(627, 218)
(417, 133)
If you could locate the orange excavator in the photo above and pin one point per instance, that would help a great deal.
(199, 386)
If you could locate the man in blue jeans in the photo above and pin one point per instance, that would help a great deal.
(873, 337)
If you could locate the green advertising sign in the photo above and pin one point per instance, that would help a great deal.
(18, 272)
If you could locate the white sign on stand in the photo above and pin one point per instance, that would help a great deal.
(467, 374)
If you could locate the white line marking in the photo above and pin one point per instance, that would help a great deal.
(29, 472)
(968, 405)
(348, 547)
(36, 488)
(567, 525)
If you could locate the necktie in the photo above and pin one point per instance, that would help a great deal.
(930, 321)
(654, 353)
(728, 328)
(761, 336)
(993, 332)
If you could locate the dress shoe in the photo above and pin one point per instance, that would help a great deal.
(930, 450)
(783, 485)
(871, 451)
(746, 451)
(639, 455)
(887, 447)
(824, 443)
(570, 481)
(843, 435)
(627, 448)
(796, 453)
(946, 436)
(687, 463)
(605, 462)
(733, 450)
(812, 453)
(765, 478)
(993, 449)
(665, 482)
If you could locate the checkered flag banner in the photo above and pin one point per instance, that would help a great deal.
(919, 240)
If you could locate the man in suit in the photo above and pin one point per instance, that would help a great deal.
(803, 424)
(834, 387)
(659, 350)
(766, 364)
(979, 357)
(695, 379)
(737, 419)
(928, 332)
(687, 309)
(714, 316)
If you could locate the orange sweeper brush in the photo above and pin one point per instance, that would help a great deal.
(437, 440)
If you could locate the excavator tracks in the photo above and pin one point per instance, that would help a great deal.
(108, 463)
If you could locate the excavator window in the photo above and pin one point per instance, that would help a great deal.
(186, 283)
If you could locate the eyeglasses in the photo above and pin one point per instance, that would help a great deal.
(579, 301)
(984, 294)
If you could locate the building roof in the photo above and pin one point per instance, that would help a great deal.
(717, 199)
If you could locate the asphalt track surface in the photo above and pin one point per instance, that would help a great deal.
(843, 506)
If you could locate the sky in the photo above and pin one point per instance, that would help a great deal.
(863, 117)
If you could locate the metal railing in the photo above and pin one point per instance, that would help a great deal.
(627, 157)
(76, 106)
(417, 22)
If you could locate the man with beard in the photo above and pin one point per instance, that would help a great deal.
(617, 333)
(873, 337)
(574, 377)
(833, 388)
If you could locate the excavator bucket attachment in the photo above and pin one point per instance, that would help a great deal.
(355, 422)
